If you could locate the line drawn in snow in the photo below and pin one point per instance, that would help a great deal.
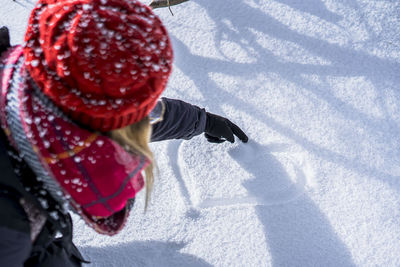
(256, 174)
(173, 150)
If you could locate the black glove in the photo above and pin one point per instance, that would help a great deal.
(219, 129)
(4, 39)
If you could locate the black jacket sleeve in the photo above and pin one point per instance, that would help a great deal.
(178, 120)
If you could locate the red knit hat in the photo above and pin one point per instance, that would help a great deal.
(103, 62)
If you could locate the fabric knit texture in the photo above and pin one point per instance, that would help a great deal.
(103, 62)
(91, 172)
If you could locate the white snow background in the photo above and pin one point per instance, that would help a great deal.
(316, 86)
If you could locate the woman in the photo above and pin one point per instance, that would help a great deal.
(78, 107)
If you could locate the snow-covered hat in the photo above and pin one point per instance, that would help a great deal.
(103, 62)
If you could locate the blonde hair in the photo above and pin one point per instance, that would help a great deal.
(135, 138)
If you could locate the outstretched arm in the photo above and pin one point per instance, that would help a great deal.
(176, 119)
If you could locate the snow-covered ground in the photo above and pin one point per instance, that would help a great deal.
(316, 86)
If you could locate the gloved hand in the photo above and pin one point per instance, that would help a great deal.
(4, 39)
(219, 129)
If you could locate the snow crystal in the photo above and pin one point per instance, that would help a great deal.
(58, 234)
(43, 202)
(42, 132)
(153, 46)
(100, 142)
(46, 144)
(87, 7)
(156, 67)
(38, 50)
(28, 120)
(35, 63)
(54, 215)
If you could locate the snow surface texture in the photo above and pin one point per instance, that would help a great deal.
(315, 85)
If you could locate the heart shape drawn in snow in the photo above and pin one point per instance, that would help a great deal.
(247, 174)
